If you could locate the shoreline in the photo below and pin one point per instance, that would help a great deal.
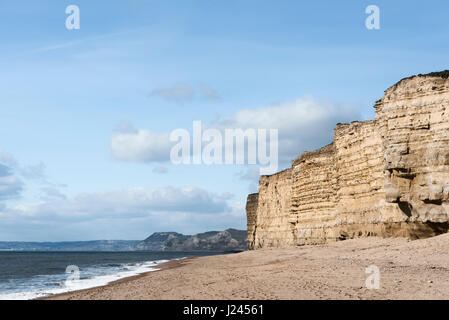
(336, 271)
(176, 263)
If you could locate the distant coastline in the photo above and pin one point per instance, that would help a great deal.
(232, 240)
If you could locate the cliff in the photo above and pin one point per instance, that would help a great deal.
(227, 240)
(387, 177)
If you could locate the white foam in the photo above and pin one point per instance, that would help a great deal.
(96, 281)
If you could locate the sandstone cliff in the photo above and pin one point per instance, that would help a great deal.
(386, 177)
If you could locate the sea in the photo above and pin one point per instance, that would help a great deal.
(30, 275)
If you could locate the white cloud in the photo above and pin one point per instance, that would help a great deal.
(4, 170)
(34, 172)
(127, 213)
(13, 176)
(303, 125)
(184, 92)
(51, 193)
(123, 204)
(160, 170)
(10, 187)
(7, 159)
(250, 174)
(179, 93)
(141, 146)
(208, 93)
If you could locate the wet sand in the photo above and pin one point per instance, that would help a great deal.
(408, 270)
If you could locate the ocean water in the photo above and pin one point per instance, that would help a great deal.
(28, 275)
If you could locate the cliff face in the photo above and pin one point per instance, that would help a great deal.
(273, 211)
(227, 240)
(251, 212)
(387, 177)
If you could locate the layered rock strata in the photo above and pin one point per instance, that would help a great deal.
(387, 177)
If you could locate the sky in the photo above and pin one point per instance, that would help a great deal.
(85, 114)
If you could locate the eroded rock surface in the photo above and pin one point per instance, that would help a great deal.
(387, 177)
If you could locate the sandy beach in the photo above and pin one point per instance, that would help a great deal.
(408, 270)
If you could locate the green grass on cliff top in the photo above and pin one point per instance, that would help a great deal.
(442, 74)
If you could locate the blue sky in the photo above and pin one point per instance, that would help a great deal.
(140, 69)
